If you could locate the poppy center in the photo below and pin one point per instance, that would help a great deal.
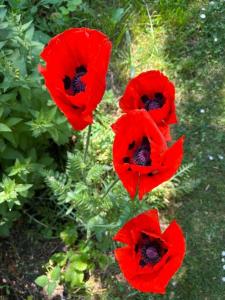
(75, 85)
(151, 250)
(142, 154)
(154, 103)
(149, 255)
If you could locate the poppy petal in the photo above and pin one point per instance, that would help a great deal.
(141, 223)
(130, 129)
(77, 93)
(149, 278)
(165, 129)
(152, 91)
(175, 236)
(171, 162)
(127, 260)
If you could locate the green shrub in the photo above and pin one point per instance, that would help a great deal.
(31, 127)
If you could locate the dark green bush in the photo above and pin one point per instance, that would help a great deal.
(31, 127)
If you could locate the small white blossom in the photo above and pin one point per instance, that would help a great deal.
(202, 16)
(223, 279)
(210, 157)
(223, 259)
(202, 111)
(220, 157)
(224, 267)
(223, 253)
(203, 8)
(212, 2)
(174, 283)
(215, 39)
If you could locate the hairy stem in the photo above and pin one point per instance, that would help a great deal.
(110, 187)
(87, 143)
(35, 220)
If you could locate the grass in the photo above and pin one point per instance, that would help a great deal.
(201, 82)
(187, 42)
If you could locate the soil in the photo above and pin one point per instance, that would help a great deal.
(22, 257)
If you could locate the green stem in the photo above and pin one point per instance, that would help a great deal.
(110, 187)
(135, 199)
(133, 205)
(87, 142)
(35, 220)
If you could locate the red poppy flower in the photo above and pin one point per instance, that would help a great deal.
(75, 73)
(141, 157)
(153, 92)
(151, 257)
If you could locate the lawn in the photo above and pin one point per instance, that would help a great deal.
(185, 40)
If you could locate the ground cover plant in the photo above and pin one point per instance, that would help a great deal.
(56, 188)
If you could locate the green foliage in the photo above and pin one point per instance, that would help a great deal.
(29, 120)
(69, 235)
(85, 195)
(70, 266)
(10, 191)
(181, 183)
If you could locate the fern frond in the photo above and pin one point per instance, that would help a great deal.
(95, 174)
(57, 183)
(186, 187)
(75, 165)
(183, 172)
(181, 183)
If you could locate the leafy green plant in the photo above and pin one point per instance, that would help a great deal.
(86, 195)
(69, 266)
(29, 120)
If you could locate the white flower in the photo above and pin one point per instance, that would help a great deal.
(202, 16)
(223, 279)
(223, 259)
(210, 157)
(215, 39)
(174, 283)
(202, 111)
(220, 157)
(223, 253)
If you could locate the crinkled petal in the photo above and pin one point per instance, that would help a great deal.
(149, 83)
(64, 53)
(170, 164)
(145, 222)
(152, 279)
(131, 128)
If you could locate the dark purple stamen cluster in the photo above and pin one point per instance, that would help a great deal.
(151, 250)
(149, 255)
(155, 103)
(142, 154)
(75, 84)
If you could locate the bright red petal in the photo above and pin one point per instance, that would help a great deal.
(165, 129)
(64, 53)
(149, 83)
(170, 164)
(175, 237)
(158, 281)
(153, 279)
(127, 260)
(131, 128)
(145, 222)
